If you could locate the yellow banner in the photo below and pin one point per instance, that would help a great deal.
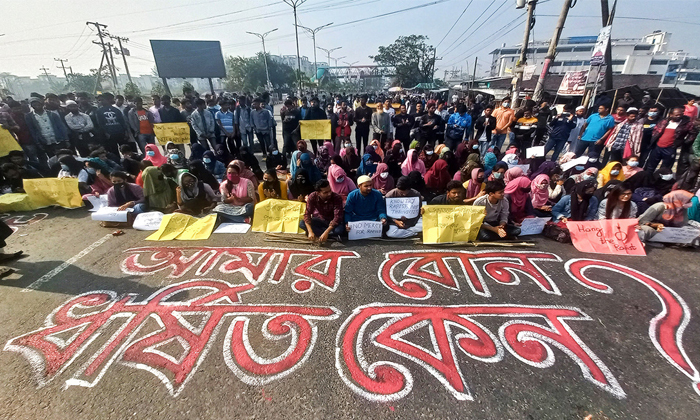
(178, 133)
(278, 216)
(184, 228)
(315, 129)
(7, 142)
(44, 192)
(16, 202)
(452, 223)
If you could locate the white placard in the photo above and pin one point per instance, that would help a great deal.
(148, 221)
(233, 228)
(397, 208)
(537, 151)
(573, 162)
(364, 229)
(681, 235)
(97, 202)
(533, 225)
(110, 214)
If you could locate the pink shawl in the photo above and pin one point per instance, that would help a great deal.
(407, 166)
(512, 173)
(539, 196)
(474, 186)
(342, 188)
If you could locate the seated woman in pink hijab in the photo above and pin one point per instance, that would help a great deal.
(341, 184)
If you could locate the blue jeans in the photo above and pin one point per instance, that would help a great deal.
(248, 139)
(497, 140)
(143, 140)
(557, 145)
(665, 155)
(319, 226)
(139, 208)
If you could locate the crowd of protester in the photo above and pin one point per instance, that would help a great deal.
(641, 163)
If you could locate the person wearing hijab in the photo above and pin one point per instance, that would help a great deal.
(244, 172)
(340, 183)
(306, 163)
(518, 194)
(490, 161)
(631, 167)
(196, 151)
(618, 204)
(475, 186)
(238, 197)
(671, 212)
(428, 156)
(198, 169)
(539, 196)
(331, 149)
(272, 187)
(437, 177)
(377, 149)
(251, 162)
(368, 166)
(153, 154)
(462, 153)
(694, 210)
(213, 165)
(223, 155)
(512, 173)
(465, 172)
(382, 181)
(578, 206)
(323, 161)
(125, 195)
(351, 161)
(449, 157)
(300, 186)
(545, 168)
(418, 183)
(159, 195)
(194, 197)
(394, 158)
(613, 170)
(556, 187)
(276, 160)
(412, 163)
(602, 193)
(403, 227)
(498, 172)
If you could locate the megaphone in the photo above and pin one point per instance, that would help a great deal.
(519, 4)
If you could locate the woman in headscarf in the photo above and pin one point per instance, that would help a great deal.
(98, 182)
(125, 195)
(428, 156)
(418, 183)
(465, 172)
(539, 196)
(545, 168)
(368, 166)
(475, 186)
(272, 187)
(251, 162)
(244, 172)
(238, 197)
(490, 161)
(694, 210)
(449, 157)
(631, 166)
(300, 186)
(377, 149)
(613, 170)
(153, 154)
(382, 181)
(143, 165)
(437, 177)
(671, 212)
(440, 149)
(351, 161)
(412, 163)
(156, 189)
(404, 228)
(329, 146)
(498, 171)
(323, 161)
(213, 165)
(223, 155)
(618, 204)
(602, 193)
(462, 153)
(197, 151)
(194, 197)
(276, 160)
(197, 169)
(176, 157)
(518, 194)
(306, 163)
(394, 158)
(294, 161)
(578, 206)
(556, 187)
(512, 173)
(649, 189)
(71, 168)
(341, 184)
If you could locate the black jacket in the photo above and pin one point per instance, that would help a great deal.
(481, 124)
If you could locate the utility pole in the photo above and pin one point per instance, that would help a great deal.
(124, 54)
(471, 85)
(114, 69)
(520, 65)
(339, 58)
(313, 33)
(262, 37)
(607, 21)
(62, 66)
(294, 4)
(110, 63)
(551, 53)
(46, 71)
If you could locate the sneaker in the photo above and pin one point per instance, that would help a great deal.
(247, 220)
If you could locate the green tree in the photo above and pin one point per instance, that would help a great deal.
(187, 87)
(79, 82)
(158, 88)
(132, 89)
(247, 74)
(411, 56)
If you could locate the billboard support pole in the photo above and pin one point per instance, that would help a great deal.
(167, 88)
(211, 86)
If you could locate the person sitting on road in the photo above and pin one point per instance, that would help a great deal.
(12, 178)
(194, 197)
(672, 212)
(403, 227)
(495, 224)
(156, 189)
(339, 181)
(125, 195)
(618, 204)
(176, 157)
(520, 204)
(581, 205)
(238, 197)
(213, 165)
(324, 213)
(272, 187)
(454, 196)
(98, 182)
(365, 203)
(27, 169)
(382, 181)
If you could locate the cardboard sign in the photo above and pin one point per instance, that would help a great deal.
(408, 207)
(574, 162)
(364, 230)
(612, 236)
(110, 214)
(178, 133)
(97, 202)
(184, 227)
(537, 151)
(148, 221)
(533, 225)
(315, 129)
(681, 235)
(452, 223)
(278, 216)
(233, 228)
(45, 192)
(8, 142)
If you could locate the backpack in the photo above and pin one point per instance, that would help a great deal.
(557, 231)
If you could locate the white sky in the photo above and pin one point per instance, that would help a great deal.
(37, 31)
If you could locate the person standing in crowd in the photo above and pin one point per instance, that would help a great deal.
(224, 120)
(594, 131)
(363, 118)
(505, 117)
(561, 130)
(649, 123)
(668, 135)
(46, 128)
(580, 119)
(389, 109)
(495, 224)
(691, 110)
(626, 136)
(484, 126)
(544, 115)
(364, 203)
(80, 125)
(457, 125)
(202, 122)
(323, 217)
(626, 101)
(523, 130)
(381, 124)
(403, 123)
(112, 123)
(262, 121)
(290, 116)
(344, 125)
(155, 109)
(430, 124)
(141, 122)
(243, 122)
(315, 113)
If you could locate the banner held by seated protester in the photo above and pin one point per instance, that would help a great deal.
(279, 216)
(315, 129)
(7, 142)
(178, 133)
(610, 236)
(364, 229)
(408, 207)
(184, 227)
(45, 192)
(451, 223)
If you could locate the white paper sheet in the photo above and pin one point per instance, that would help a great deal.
(233, 228)
(533, 225)
(148, 221)
(110, 214)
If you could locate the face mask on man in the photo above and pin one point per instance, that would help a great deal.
(429, 152)
(384, 175)
(275, 152)
(653, 114)
(150, 153)
(667, 177)
(506, 104)
(615, 172)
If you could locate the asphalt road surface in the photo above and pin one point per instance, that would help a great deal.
(102, 327)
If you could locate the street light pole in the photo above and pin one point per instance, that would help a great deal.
(313, 33)
(262, 37)
(339, 58)
(294, 4)
(328, 52)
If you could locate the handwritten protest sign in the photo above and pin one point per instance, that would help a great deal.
(452, 223)
(614, 236)
(364, 230)
(315, 129)
(570, 164)
(178, 133)
(97, 202)
(278, 216)
(44, 192)
(537, 151)
(408, 207)
(533, 225)
(7, 142)
(681, 235)
(148, 221)
(184, 227)
(110, 214)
